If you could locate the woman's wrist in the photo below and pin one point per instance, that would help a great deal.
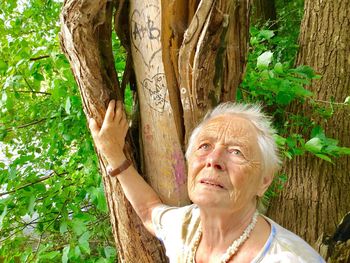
(115, 161)
(120, 169)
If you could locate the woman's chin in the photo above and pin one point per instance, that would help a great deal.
(203, 199)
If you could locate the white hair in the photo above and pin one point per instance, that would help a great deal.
(252, 112)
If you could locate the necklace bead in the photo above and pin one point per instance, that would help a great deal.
(232, 249)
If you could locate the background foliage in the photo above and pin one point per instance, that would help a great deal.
(52, 205)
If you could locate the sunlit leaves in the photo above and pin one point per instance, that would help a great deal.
(272, 80)
(277, 84)
(47, 164)
(264, 60)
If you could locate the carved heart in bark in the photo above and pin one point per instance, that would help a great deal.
(155, 91)
(145, 32)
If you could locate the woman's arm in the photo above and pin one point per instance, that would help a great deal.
(109, 140)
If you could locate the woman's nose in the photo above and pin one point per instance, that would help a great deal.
(215, 159)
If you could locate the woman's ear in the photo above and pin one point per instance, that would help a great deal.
(266, 180)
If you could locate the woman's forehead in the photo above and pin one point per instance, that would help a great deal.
(228, 126)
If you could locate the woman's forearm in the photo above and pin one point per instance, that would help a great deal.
(109, 140)
(140, 194)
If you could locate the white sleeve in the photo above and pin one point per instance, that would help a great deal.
(167, 221)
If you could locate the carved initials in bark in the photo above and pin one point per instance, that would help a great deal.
(145, 35)
(155, 91)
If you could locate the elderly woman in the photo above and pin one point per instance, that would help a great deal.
(232, 158)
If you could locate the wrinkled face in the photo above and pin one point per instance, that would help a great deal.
(224, 167)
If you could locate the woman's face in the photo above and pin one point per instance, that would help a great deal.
(224, 168)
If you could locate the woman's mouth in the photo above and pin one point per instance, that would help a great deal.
(211, 183)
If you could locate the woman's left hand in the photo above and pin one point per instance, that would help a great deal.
(110, 137)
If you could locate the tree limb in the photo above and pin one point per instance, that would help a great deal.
(32, 91)
(38, 58)
(32, 183)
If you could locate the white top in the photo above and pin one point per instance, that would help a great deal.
(176, 228)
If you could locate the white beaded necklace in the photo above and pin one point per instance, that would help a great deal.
(232, 249)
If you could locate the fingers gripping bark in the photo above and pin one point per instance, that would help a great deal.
(110, 137)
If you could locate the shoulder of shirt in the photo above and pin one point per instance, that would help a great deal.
(293, 243)
(187, 208)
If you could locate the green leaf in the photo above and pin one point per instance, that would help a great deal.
(67, 106)
(266, 34)
(65, 254)
(283, 98)
(344, 150)
(317, 131)
(109, 252)
(31, 204)
(12, 171)
(101, 201)
(84, 242)
(38, 76)
(278, 68)
(264, 59)
(77, 251)
(98, 197)
(58, 91)
(3, 214)
(288, 155)
(300, 91)
(102, 260)
(63, 227)
(347, 100)
(3, 66)
(4, 96)
(324, 157)
(314, 145)
(279, 139)
(305, 71)
(49, 255)
(78, 226)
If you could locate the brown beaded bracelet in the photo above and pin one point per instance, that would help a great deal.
(114, 172)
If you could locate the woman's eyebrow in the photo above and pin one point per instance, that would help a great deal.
(242, 144)
(202, 137)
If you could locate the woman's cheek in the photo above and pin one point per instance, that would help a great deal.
(194, 167)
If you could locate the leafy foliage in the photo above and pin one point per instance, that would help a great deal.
(272, 80)
(52, 203)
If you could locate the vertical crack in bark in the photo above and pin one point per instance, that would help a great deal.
(212, 57)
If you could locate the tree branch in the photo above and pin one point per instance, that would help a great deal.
(32, 91)
(29, 86)
(38, 58)
(32, 183)
(26, 125)
(42, 234)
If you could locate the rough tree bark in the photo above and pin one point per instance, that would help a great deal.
(86, 40)
(187, 57)
(316, 196)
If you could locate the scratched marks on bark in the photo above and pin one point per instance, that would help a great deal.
(148, 132)
(145, 32)
(155, 91)
(179, 167)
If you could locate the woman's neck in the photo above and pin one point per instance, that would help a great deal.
(220, 229)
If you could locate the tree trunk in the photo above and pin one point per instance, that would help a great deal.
(212, 57)
(86, 40)
(316, 196)
(187, 57)
(263, 11)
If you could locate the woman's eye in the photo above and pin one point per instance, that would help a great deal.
(235, 152)
(204, 146)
